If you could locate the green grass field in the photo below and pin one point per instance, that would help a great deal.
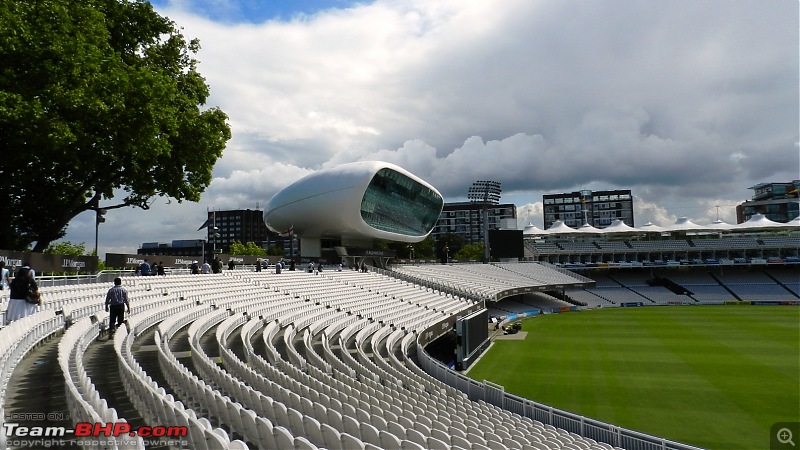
(712, 376)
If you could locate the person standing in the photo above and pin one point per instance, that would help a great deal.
(205, 268)
(116, 303)
(28, 266)
(194, 268)
(144, 268)
(23, 287)
(160, 269)
(4, 274)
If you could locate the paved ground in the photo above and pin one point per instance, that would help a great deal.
(519, 336)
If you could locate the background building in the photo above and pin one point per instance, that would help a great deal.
(464, 219)
(598, 208)
(242, 225)
(178, 247)
(777, 201)
(222, 229)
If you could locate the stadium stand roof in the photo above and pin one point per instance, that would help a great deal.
(492, 282)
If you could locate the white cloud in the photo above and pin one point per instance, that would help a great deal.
(532, 214)
(686, 103)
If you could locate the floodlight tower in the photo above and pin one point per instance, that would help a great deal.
(485, 193)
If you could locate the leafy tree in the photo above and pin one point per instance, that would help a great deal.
(275, 251)
(400, 249)
(255, 250)
(237, 248)
(470, 252)
(449, 244)
(67, 248)
(425, 249)
(99, 100)
(419, 250)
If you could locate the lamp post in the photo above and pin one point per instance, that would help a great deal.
(214, 236)
(485, 193)
(99, 213)
(411, 251)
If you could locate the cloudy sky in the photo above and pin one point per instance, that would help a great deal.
(686, 102)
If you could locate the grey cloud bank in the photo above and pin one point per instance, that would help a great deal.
(686, 103)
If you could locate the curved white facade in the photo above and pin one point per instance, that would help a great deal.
(368, 199)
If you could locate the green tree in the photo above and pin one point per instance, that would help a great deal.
(255, 250)
(67, 248)
(237, 248)
(419, 250)
(425, 249)
(448, 245)
(275, 251)
(470, 252)
(100, 100)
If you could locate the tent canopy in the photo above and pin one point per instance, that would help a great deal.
(683, 224)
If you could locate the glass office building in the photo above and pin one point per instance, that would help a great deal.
(597, 208)
(777, 201)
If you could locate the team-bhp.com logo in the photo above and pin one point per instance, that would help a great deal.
(88, 430)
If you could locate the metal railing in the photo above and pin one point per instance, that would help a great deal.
(105, 276)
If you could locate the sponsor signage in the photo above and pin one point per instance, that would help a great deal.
(776, 303)
(129, 261)
(355, 251)
(47, 262)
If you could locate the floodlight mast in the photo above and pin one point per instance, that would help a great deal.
(485, 193)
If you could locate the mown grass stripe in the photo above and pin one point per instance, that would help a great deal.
(715, 376)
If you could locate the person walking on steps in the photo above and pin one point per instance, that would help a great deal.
(116, 303)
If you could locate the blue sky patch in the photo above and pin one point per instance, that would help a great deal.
(254, 11)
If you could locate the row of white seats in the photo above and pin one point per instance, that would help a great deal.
(83, 399)
(16, 340)
(314, 406)
(151, 400)
(403, 413)
(239, 395)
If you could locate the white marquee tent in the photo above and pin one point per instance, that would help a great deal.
(756, 223)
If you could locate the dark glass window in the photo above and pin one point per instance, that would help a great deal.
(395, 203)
